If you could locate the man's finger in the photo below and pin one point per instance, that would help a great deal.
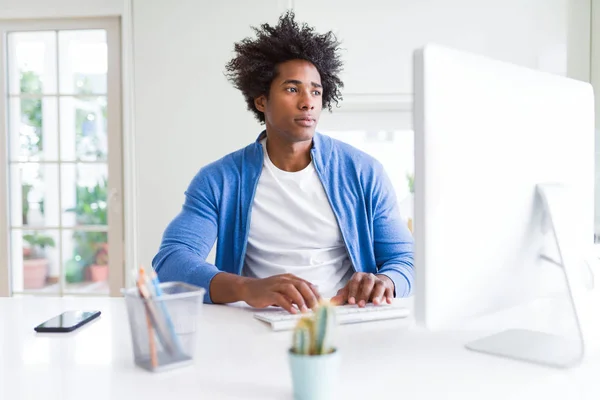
(340, 298)
(353, 286)
(377, 296)
(290, 291)
(366, 287)
(296, 279)
(307, 293)
(315, 291)
(283, 302)
(389, 295)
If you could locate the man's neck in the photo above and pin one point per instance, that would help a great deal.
(290, 157)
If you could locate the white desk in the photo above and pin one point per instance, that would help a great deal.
(241, 358)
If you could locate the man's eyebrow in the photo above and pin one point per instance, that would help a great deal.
(297, 82)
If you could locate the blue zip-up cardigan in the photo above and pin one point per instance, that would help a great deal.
(218, 205)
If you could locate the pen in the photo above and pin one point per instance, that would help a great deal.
(158, 291)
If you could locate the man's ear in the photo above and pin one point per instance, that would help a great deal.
(260, 103)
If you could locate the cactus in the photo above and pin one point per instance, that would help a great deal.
(313, 333)
(302, 336)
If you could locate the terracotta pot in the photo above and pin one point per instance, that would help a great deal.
(34, 273)
(98, 273)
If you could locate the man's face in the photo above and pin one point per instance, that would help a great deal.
(295, 101)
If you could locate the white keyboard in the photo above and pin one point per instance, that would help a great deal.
(281, 320)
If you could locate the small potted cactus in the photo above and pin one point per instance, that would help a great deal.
(314, 361)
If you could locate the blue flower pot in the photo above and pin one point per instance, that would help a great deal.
(315, 377)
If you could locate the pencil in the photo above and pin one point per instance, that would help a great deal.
(153, 357)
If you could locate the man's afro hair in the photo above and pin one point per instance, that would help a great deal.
(255, 65)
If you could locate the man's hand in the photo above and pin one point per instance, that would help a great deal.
(363, 288)
(281, 290)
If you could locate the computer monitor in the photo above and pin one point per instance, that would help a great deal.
(504, 198)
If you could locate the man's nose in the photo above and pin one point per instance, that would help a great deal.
(306, 102)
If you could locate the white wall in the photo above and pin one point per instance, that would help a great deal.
(188, 115)
(380, 38)
(29, 9)
(595, 79)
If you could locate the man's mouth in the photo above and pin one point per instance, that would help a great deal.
(306, 122)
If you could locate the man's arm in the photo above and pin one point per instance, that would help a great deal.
(189, 238)
(393, 242)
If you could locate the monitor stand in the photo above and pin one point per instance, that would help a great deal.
(543, 348)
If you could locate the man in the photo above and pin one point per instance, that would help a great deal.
(296, 214)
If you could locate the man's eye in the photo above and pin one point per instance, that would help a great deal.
(291, 89)
(317, 93)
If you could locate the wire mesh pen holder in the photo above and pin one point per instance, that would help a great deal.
(163, 328)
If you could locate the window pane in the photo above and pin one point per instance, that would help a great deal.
(32, 62)
(394, 149)
(35, 260)
(83, 62)
(85, 261)
(84, 189)
(33, 129)
(34, 198)
(83, 128)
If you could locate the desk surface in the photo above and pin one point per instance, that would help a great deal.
(239, 357)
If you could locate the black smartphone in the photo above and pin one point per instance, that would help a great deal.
(67, 321)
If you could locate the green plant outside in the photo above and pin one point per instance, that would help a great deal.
(38, 243)
(31, 109)
(411, 182)
(90, 209)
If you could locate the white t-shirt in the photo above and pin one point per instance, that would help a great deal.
(294, 230)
